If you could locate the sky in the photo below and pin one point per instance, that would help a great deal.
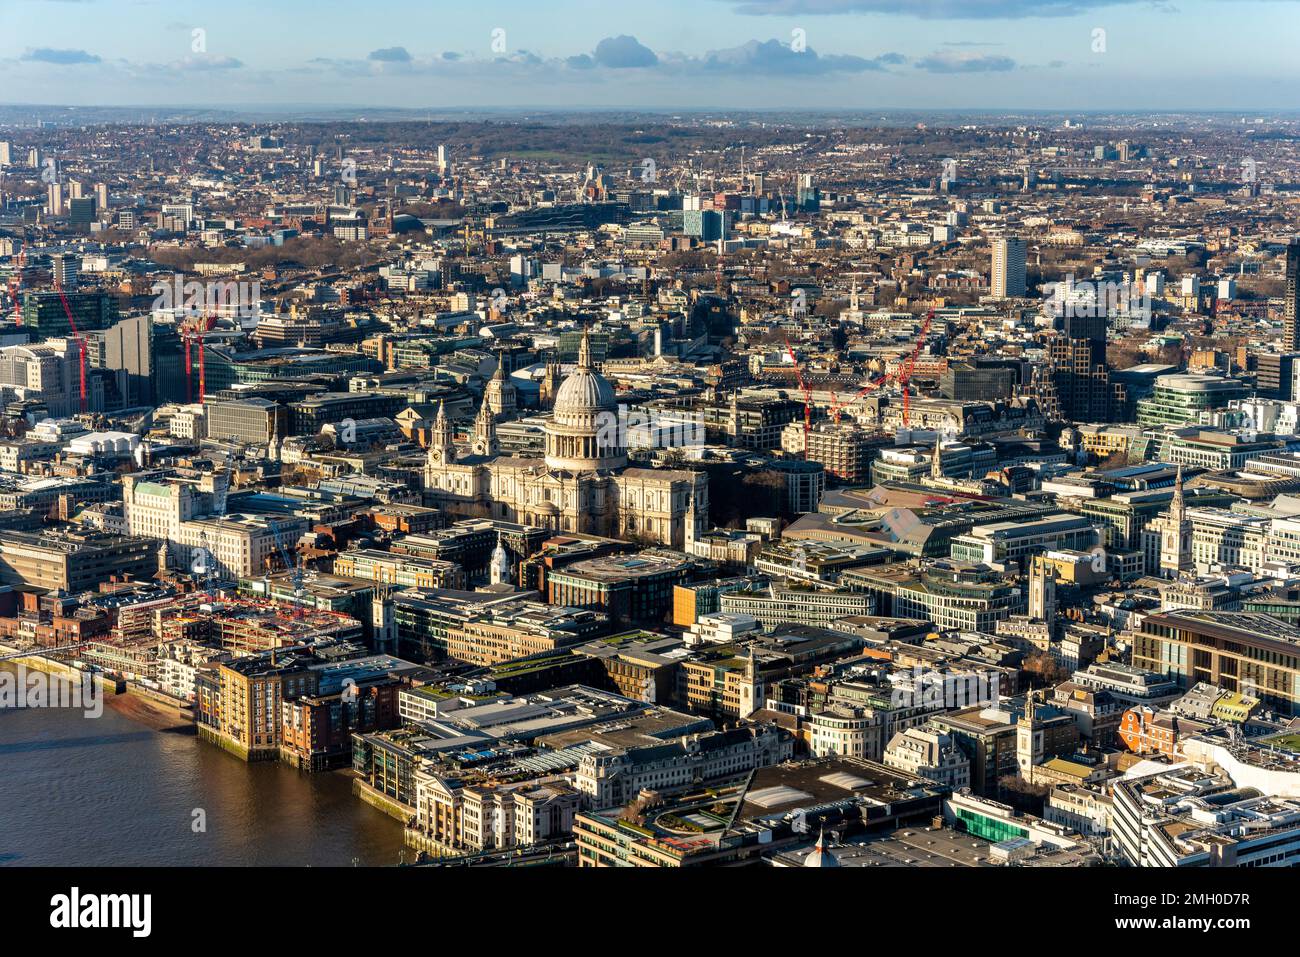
(660, 54)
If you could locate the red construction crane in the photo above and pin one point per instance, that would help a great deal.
(189, 366)
(76, 335)
(807, 397)
(192, 330)
(837, 409)
(16, 284)
(904, 376)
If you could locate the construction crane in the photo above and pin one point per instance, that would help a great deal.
(837, 407)
(294, 569)
(76, 335)
(16, 283)
(904, 377)
(901, 378)
(807, 397)
(206, 565)
(192, 331)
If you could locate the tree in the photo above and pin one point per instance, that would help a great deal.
(1021, 794)
(673, 458)
(1045, 667)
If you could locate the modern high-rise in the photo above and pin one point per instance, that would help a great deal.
(1290, 327)
(807, 195)
(1077, 368)
(127, 349)
(81, 212)
(1275, 375)
(1008, 268)
(65, 268)
(45, 314)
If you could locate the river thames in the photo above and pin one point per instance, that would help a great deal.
(124, 788)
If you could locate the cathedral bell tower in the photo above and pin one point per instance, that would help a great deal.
(550, 385)
(442, 450)
(485, 432)
(500, 395)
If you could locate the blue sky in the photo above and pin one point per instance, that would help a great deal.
(860, 54)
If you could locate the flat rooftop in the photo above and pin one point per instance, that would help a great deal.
(925, 847)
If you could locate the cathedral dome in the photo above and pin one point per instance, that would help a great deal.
(584, 391)
(585, 433)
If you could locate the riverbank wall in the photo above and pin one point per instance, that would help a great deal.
(381, 801)
(35, 661)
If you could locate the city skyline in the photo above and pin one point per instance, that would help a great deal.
(575, 54)
(745, 434)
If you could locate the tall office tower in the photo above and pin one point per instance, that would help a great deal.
(128, 349)
(65, 269)
(444, 160)
(81, 213)
(6, 157)
(1076, 367)
(1008, 268)
(807, 196)
(1275, 374)
(1290, 327)
(55, 202)
(101, 197)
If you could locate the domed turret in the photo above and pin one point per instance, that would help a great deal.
(500, 395)
(821, 855)
(500, 565)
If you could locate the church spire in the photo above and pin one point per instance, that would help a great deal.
(1176, 559)
(1176, 505)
